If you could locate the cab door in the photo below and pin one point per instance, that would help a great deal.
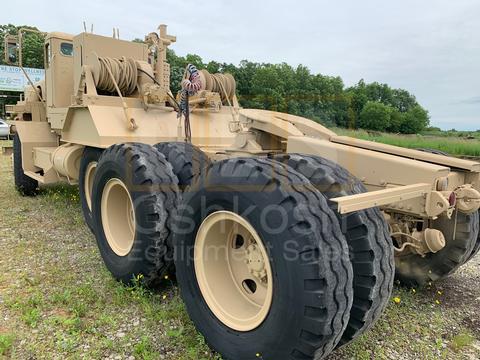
(59, 72)
(48, 74)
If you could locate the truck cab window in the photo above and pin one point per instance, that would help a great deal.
(48, 55)
(66, 49)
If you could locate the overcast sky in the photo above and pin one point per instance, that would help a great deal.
(429, 47)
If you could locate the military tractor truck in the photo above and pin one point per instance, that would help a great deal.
(284, 237)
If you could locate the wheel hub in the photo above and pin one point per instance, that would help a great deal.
(233, 270)
(88, 183)
(118, 217)
(255, 262)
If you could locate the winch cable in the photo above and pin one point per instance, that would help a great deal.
(123, 70)
(120, 76)
(225, 85)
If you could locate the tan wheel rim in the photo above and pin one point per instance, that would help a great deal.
(118, 217)
(88, 183)
(233, 271)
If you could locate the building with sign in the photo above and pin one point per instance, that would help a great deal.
(12, 78)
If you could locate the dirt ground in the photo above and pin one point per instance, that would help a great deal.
(57, 301)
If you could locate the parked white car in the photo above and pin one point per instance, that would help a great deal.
(4, 130)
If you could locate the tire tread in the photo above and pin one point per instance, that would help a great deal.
(23, 183)
(159, 190)
(366, 232)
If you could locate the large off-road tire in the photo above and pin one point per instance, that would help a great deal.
(368, 238)
(476, 248)
(303, 305)
(88, 165)
(24, 184)
(414, 270)
(187, 160)
(135, 195)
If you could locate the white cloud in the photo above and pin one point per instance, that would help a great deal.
(428, 47)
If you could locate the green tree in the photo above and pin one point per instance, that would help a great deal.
(195, 60)
(397, 118)
(213, 67)
(32, 57)
(32, 45)
(178, 65)
(268, 89)
(402, 100)
(415, 120)
(281, 87)
(379, 92)
(375, 116)
(404, 108)
(244, 75)
(331, 107)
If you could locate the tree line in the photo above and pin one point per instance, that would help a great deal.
(325, 99)
(32, 57)
(295, 90)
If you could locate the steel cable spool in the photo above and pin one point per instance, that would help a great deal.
(224, 84)
(124, 72)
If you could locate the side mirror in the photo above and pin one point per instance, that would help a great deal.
(11, 49)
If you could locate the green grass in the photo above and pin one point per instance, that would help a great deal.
(61, 302)
(6, 342)
(460, 341)
(460, 146)
(144, 349)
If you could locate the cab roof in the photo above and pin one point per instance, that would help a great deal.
(59, 35)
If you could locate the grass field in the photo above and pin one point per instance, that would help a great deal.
(453, 145)
(57, 301)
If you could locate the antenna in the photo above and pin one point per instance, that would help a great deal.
(84, 26)
(118, 33)
(91, 29)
